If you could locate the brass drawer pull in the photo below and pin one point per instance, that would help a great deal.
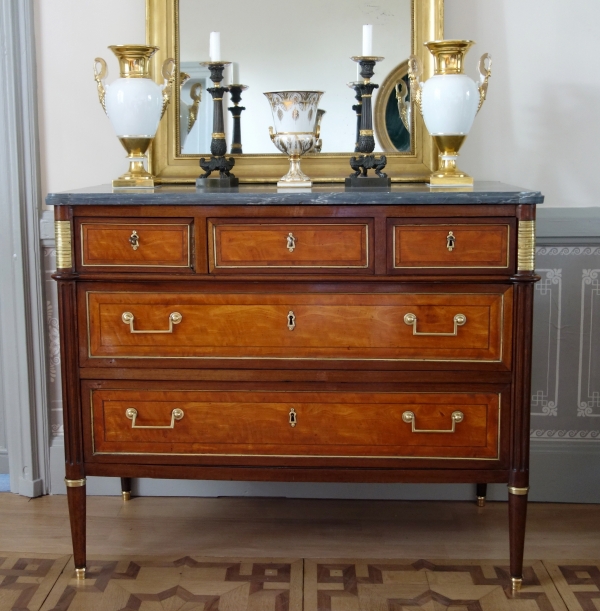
(293, 418)
(450, 241)
(291, 242)
(134, 240)
(131, 413)
(174, 319)
(410, 417)
(291, 320)
(411, 320)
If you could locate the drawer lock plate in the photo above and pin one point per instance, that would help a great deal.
(293, 417)
(134, 240)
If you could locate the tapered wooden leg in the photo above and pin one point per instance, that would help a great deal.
(481, 494)
(126, 488)
(76, 499)
(517, 516)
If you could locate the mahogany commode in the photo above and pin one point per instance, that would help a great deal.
(321, 336)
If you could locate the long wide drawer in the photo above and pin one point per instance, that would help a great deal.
(301, 326)
(263, 423)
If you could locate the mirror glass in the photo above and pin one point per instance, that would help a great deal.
(279, 45)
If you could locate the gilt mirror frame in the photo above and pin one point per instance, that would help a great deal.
(169, 166)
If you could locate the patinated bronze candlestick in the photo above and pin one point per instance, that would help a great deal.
(366, 139)
(218, 144)
(236, 112)
(357, 108)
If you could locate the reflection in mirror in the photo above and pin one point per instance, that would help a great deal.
(277, 46)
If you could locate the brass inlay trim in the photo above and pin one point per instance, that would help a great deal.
(75, 483)
(453, 266)
(366, 132)
(497, 457)
(526, 246)
(294, 358)
(365, 266)
(62, 234)
(188, 233)
(518, 491)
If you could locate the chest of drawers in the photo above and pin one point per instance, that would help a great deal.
(326, 336)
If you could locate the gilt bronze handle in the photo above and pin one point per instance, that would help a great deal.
(411, 320)
(131, 413)
(174, 319)
(410, 417)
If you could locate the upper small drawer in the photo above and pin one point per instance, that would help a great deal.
(269, 246)
(130, 243)
(454, 244)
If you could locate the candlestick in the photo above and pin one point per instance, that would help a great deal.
(218, 144)
(366, 139)
(357, 107)
(215, 47)
(367, 43)
(235, 90)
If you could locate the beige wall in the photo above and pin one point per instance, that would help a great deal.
(536, 130)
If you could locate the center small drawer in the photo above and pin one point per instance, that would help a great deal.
(272, 246)
(292, 423)
(133, 243)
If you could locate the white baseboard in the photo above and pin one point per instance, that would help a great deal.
(561, 472)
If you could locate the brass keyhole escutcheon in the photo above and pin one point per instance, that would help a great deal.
(293, 417)
(291, 242)
(134, 240)
(450, 241)
(291, 320)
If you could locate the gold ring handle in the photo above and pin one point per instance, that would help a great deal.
(174, 319)
(411, 320)
(410, 417)
(131, 413)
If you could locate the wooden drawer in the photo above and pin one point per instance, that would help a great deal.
(472, 245)
(294, 246)
(469, 326)
(333, 424)
(130, 243)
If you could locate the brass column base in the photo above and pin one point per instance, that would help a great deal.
(480, 501)
(126, 495)
(80, 573)
(517, 582)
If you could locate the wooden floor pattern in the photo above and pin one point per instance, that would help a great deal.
(226, 555)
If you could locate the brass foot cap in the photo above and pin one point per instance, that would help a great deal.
(517, 582)
(80, 573)
(480, 501)
(126, 495)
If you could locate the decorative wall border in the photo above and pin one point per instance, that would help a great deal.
(544, 399)
(588, 398)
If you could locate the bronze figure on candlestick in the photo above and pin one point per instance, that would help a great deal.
(218, 145)
(366, 140)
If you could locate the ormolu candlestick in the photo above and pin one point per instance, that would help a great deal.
(218, 144)
(366, 139)
(236, 112)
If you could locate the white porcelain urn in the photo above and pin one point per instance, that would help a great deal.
(449, 101)
(134, 103)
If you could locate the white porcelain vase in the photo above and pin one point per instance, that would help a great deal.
(134, 104)
(296, 132)
(449, 101)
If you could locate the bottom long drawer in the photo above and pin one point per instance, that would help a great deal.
(276, 423)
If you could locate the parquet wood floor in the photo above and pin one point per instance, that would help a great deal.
(238, 554)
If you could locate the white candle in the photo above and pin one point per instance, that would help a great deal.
(215, 46)
(367, 40)
(235, 73)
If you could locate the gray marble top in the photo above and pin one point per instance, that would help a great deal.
(270, 195)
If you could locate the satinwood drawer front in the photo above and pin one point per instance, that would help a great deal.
(301, 326)
(318, 245)
(343, 424)
(474, 245)
(131, 243)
